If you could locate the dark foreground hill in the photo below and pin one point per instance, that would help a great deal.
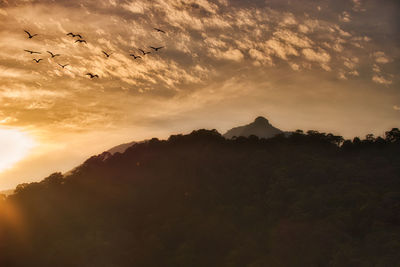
(202, 200)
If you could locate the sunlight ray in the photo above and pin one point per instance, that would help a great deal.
(14, 146)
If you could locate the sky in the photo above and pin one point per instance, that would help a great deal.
(329, 65)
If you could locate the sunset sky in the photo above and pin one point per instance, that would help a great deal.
(330, 65)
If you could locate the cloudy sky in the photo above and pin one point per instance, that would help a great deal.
(329, 65)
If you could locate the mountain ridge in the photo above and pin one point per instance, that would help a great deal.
(260, 127)
(121, 148)
(200, 199)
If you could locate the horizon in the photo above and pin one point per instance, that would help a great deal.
(331, 66)
(79, 161)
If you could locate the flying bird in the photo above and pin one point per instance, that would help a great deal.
(156, 48)
(62, 66)
(159, 30)
(53, 55)
(75, 35)
(80, 41)
(92, 75)
(37, 60)
(135, 57)
(106, 54)
(144, 52)
(30, 36)
(31, 52)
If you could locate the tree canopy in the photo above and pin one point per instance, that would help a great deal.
(299, 199)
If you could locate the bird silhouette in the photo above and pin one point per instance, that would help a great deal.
(62, 66)
(75, 35)
(144, 52)
(159, 30)
(156, 48)
(37, 60)
(30, 36)
(92, 75)
(135, 57)
(53, 55)
(106, 54)
(80, 41)
(31, 52)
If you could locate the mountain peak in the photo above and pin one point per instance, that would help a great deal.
(261, 120)
(259, 127)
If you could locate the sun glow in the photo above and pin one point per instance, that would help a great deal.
(14, 146)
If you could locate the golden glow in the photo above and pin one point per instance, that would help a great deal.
(14, 146)
(11, 220)
(302, 66)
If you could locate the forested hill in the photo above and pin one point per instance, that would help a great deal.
(308, 199)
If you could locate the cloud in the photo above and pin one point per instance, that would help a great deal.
(351, 62)
(357, 6)
(7, 120)
(342, 75)
(25, 93)
(260, 57)
(294, 66)
(288, 19)
(376, 68)
(293, 39)
(134, 7)
(381, 80)
(280, 49)
(230, 54)
(381, 58)
(345, 17)
(204, 42)
(354, 73)
(13, 73)
(320, 56)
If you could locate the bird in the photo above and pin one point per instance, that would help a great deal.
(62, 66)
(144, 52)
(37, 60)
(80, 41)
(106, 54)
(159, 30)
(135, 57)
(53, 55)
(92, 75)
(31, 52)
(30, 36)
(74, 35)
(156, 48)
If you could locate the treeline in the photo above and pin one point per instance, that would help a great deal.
(299, 199)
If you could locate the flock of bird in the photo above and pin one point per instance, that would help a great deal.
(82, 40)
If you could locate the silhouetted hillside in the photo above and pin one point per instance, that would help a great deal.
(260, 127)
(7, 192)
(121, 148)
(202, 200)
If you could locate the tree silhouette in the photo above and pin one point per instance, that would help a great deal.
(297, 199)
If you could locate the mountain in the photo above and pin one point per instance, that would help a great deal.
(203, 200)
(121, 148)
(260, 127)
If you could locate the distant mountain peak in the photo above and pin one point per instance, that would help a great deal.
(259, 127)
(261, 120)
